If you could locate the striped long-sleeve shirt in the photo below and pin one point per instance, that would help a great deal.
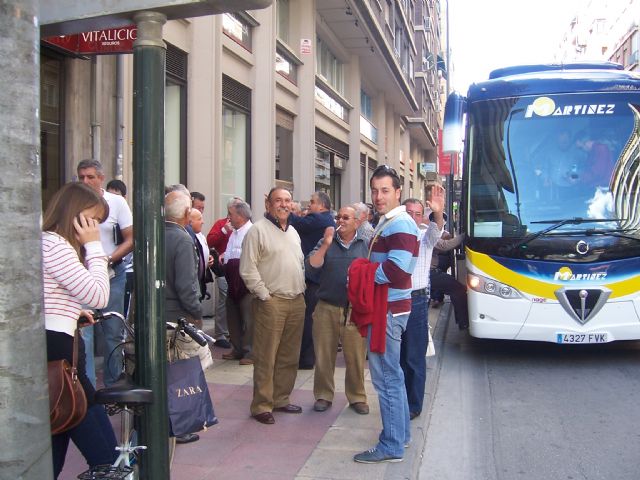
(396, 250)
(68, 284)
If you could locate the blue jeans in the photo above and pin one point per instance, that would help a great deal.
(414, 349)
(112, 333)
(388, 380)
(94, 437)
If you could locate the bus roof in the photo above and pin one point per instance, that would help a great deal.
(555, 78)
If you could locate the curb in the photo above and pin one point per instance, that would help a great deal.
(410, 468)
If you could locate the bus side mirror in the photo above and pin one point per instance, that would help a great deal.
(452, 131)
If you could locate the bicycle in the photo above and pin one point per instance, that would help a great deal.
(128, 399)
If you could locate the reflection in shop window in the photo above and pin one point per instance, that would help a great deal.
(233, 174)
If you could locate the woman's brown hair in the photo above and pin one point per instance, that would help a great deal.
(65, 205)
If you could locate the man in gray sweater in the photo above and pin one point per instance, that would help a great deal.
(331, 259)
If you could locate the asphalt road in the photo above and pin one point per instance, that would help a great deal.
(531, 411)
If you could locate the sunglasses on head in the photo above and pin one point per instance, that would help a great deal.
(385, 170)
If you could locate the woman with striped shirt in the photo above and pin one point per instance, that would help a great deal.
(74, 268)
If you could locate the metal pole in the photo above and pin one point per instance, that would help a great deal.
(119, 168)
(24, 402)
(149, 56)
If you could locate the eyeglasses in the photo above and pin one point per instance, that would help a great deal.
(343, 217)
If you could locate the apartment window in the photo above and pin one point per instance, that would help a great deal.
(286, 64)
(175, 130)
(366, 126)
(323, 170)
(235, 161)
(284, 147)
(329, 67)
(237, 28)
(366, 105)
(282, 23)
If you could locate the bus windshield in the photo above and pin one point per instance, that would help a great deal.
(544, 160)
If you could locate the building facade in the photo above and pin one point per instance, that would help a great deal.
(310, 95)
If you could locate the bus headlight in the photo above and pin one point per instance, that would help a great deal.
(481, 284)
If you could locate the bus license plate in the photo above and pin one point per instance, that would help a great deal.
(581, 338)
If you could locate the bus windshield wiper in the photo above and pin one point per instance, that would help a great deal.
(614, 232)
(555, 224)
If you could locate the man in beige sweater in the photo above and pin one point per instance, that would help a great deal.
(272, 267)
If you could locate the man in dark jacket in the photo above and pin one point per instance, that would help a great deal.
(182, 292)
(311, 229)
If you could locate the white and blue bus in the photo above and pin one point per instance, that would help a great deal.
(550, 202)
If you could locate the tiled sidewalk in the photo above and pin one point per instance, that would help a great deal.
(310, 445)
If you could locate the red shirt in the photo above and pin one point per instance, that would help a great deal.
(218, 239)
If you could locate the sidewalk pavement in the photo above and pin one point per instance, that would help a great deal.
(311, 445)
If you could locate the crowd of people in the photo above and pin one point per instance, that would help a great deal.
(292, 289)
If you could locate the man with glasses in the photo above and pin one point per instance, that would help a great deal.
(330, 260)
(395, 249)
(310, 228)
(415, 338)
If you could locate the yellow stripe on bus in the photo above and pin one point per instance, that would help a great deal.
(539, 288)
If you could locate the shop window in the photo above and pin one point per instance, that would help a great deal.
(51, 124)
(236, 135)
(175, 130)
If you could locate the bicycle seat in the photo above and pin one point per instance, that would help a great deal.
(124, 391)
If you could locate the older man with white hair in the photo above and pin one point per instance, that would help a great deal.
(181, 292)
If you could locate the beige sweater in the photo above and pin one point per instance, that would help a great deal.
(271, 262)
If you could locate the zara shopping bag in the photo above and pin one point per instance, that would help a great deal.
(190, 406)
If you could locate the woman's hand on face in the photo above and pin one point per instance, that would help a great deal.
(86, 229)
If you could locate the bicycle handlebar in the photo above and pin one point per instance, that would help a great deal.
(197, 335)
(99, 315)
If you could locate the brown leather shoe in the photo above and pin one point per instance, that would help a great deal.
(289, 408)
(360, 407)
(265, 417)
(321, 405)
(232, 355)
(246, 361)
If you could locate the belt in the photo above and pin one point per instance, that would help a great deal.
(419, 292)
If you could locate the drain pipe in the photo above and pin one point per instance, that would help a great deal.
(119, 150)
(94, 110)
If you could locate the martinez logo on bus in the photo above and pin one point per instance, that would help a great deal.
(564, 274)
(545, 106)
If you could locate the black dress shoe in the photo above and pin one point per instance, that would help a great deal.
(222, 343)
(321, 405)
(265, 417)
(289, 408)
(187, 438)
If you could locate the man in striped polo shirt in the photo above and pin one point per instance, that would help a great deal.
(396, 250)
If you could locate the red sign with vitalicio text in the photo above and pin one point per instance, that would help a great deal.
(112, 40)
